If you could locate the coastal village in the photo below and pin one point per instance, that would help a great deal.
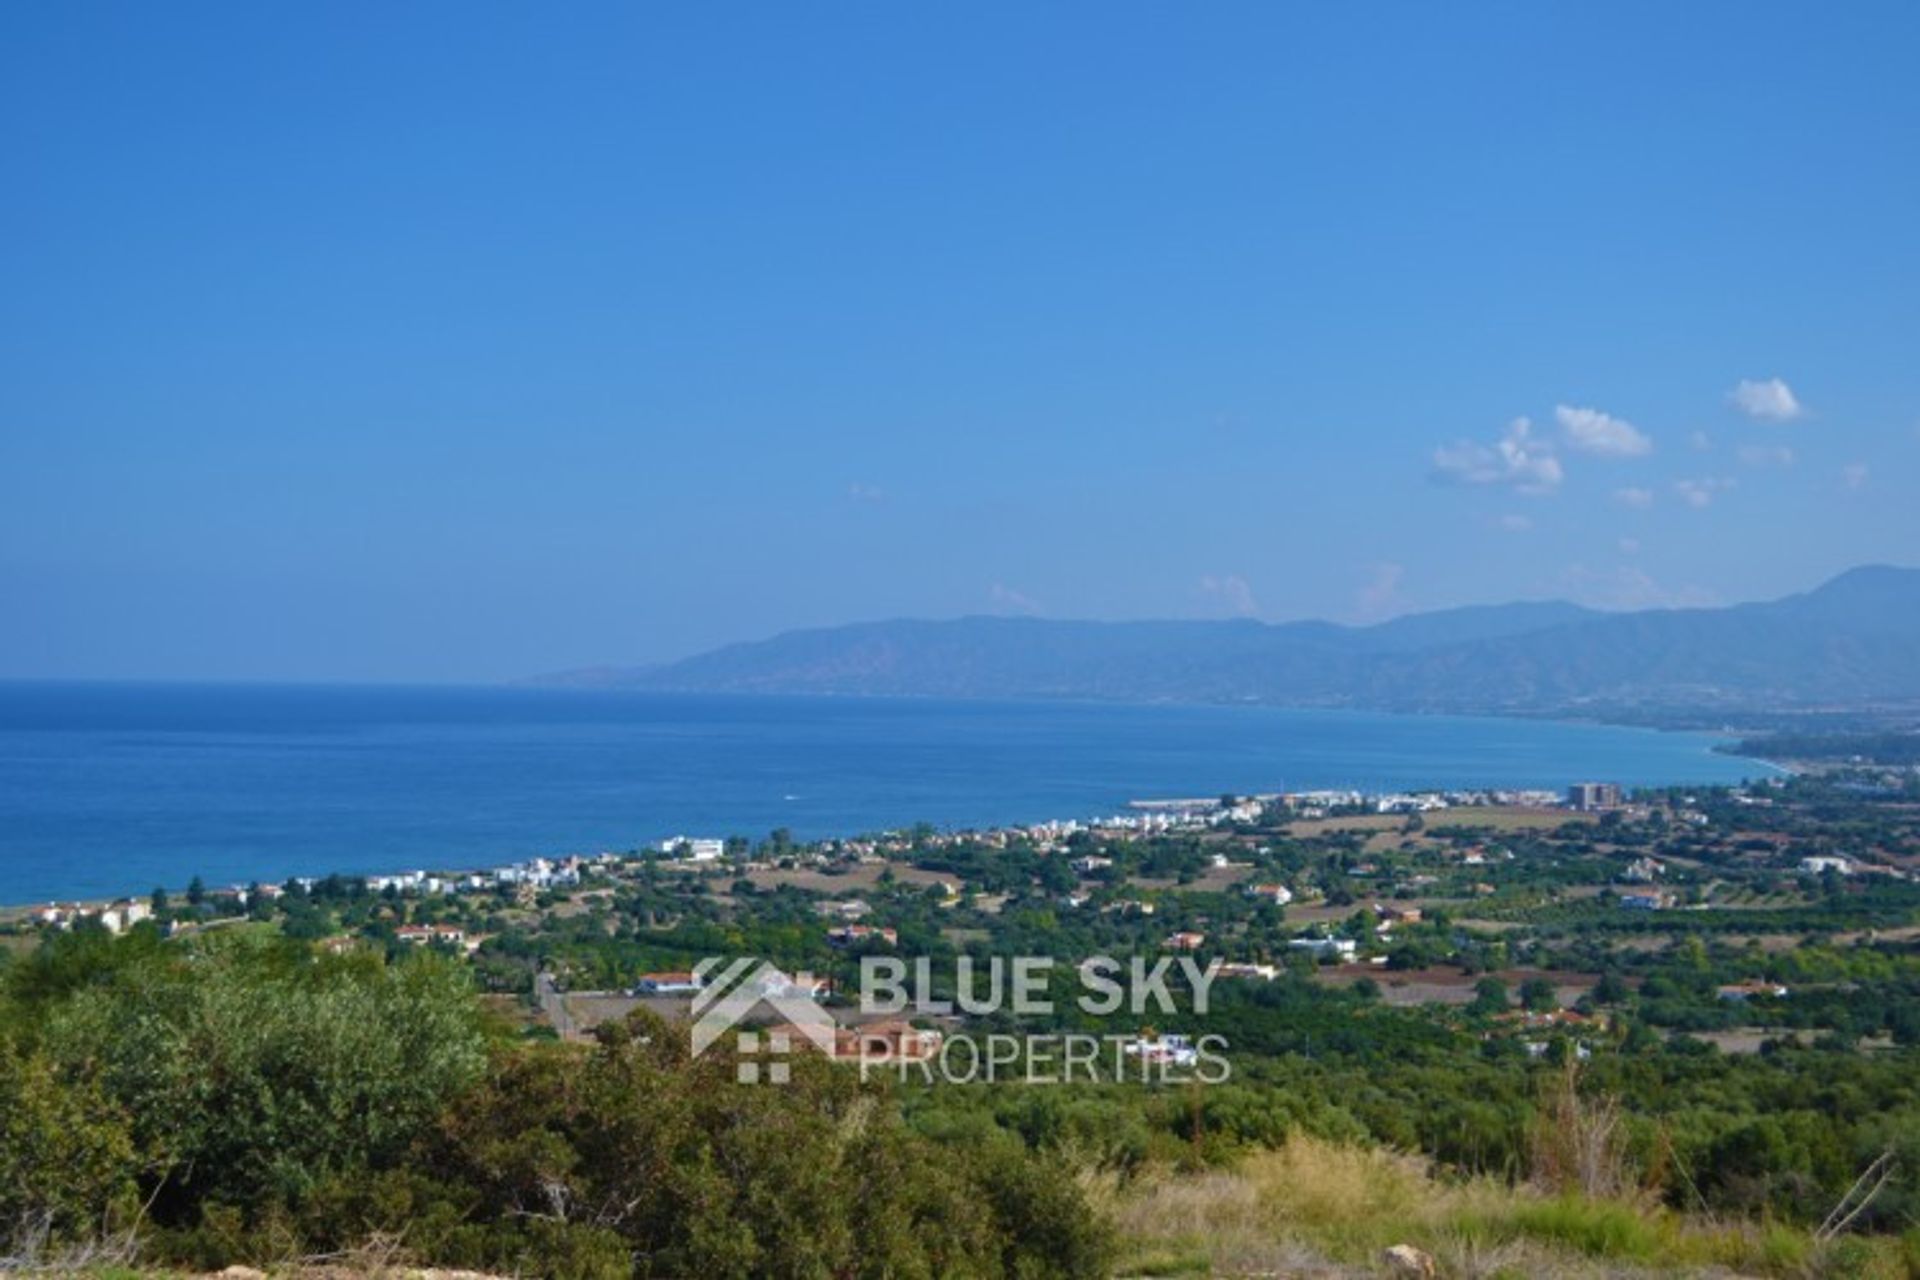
(1517, 904)
(1146, 818)
(1729, 975)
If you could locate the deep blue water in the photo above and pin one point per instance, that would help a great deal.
(108, 789)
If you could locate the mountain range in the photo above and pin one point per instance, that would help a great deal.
(1851, 643)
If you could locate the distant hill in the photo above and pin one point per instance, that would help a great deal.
(1853, 642)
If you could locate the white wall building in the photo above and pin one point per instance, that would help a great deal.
(694, 849)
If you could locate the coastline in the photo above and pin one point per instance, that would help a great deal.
(368, 782)
(1142, 810)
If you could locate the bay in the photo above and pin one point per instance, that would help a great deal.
(108, 789)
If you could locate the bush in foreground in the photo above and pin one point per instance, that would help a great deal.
(246, 1101)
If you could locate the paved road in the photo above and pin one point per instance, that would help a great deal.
(554, 1005)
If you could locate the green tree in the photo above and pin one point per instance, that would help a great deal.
(1490, 996)
(1538, 995)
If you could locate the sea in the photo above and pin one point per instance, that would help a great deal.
(110, 789)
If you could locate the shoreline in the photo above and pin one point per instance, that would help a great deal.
(1143, 810)
(233, 861)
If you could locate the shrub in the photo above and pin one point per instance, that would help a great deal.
(701, 1175)
(251, 1073)
(66, 1157)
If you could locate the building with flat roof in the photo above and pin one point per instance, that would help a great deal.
(1591, 796)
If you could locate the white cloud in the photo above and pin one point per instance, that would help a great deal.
(1769, 401)
(1700, 441)
(1629, 587)
(869, 494)
(1233, 590)
(1766, 455)
(1380, 593)
(1631, 497)
(1601, 434)
(1517, 460)
(1513, 523)
(1855, 474)
(1006, 600)
(1701, 493)
(1629, 546)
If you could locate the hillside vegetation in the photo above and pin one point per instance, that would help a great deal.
(1510, 1067)
(240, 1099)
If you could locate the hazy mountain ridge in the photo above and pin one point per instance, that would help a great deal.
(1850, 642)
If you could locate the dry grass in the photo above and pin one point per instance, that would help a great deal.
(1303, 827)
(845, 882)
(31, 1249)
(1578, 1148)
(1309, 1206)
(590, 1009)
(1410, 988)
(1489, 817)
(1502, 818)
(1314, 1208)
(1212, 880)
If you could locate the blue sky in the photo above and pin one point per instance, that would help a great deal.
(457, 341)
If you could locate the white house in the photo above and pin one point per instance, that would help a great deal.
(422, 934)
(667, 984)
(1176, 1051)
(804, 986)
(123, 915)
(1338, 948)
(1235, 969)
(694, 849)
(1642, 871)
